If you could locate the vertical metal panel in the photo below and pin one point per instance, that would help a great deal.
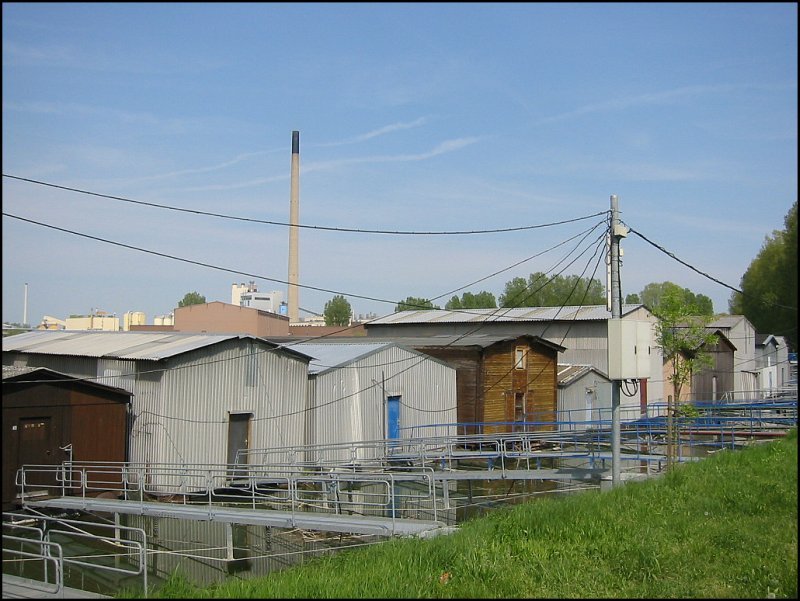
(202, 388)
(349, 401)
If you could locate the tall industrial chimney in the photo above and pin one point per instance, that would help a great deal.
(294, 219)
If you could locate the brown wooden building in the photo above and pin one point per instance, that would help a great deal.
(50, 417)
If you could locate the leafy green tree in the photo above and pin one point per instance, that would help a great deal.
(769, 286)
(482, 300)
(632, 299)
(542, 291)
(412, 303)
(337, 311)
(685, 344)
(192, 298)
(653, 294)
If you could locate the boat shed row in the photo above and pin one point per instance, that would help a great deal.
(201, 398)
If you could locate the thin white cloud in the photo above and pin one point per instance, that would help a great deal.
(19, 54)
(381, 131)
(664, 97)
(235, 160)
(238, 185)
(443, 148)
(66, 57)
(86, 110)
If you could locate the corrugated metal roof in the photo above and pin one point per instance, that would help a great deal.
(725, 321)
(568, 373)
(578, 313)
(44, 374)
(437, 340)
(329, 354)
(152, 346)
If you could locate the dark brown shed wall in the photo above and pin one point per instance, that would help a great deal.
(41, 417)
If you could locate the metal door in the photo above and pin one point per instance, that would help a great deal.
(238, 435)
(393, 416)
(36, 448)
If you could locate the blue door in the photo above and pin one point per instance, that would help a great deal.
(393, 416)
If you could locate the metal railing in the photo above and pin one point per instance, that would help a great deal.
(69, 532)
(289, 488)
(48, 553)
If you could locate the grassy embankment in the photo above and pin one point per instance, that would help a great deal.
(723, 527)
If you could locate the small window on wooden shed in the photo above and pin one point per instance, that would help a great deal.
(519, 357)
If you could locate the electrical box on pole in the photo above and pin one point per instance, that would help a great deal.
(629, 346)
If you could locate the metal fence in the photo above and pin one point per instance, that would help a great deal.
(44, 550)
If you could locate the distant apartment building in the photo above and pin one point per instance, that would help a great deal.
(247, 295)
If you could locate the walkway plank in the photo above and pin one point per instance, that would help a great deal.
(330, 522)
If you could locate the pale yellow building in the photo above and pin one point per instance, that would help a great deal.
(105, 323)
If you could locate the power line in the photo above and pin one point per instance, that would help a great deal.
(422, 358)
(585, 234)
(713, 279)
(518, 263)
(200, 263)
(314, 227)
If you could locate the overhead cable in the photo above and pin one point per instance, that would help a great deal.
(314, 227)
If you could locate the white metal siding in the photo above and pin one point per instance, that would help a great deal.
(350, 402)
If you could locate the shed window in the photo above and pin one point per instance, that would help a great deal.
(519, 357)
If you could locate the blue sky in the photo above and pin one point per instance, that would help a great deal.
(412, 117)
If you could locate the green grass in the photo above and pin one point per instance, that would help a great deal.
(723, 527)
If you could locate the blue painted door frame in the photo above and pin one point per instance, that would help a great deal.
(393, 416)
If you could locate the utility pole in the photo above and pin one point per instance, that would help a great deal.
(616, 313)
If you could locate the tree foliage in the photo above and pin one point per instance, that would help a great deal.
(540, 291)
(654, 294)
(192, 298)
(337, 311)
(413, 303)
(686, 345)
(482, 300)
(769, 286)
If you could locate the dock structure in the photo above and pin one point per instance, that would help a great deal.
(404, 487)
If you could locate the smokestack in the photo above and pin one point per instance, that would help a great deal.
(294, 219)
(25, 307)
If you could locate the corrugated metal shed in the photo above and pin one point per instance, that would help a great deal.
(197, 398)
(350, 386)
